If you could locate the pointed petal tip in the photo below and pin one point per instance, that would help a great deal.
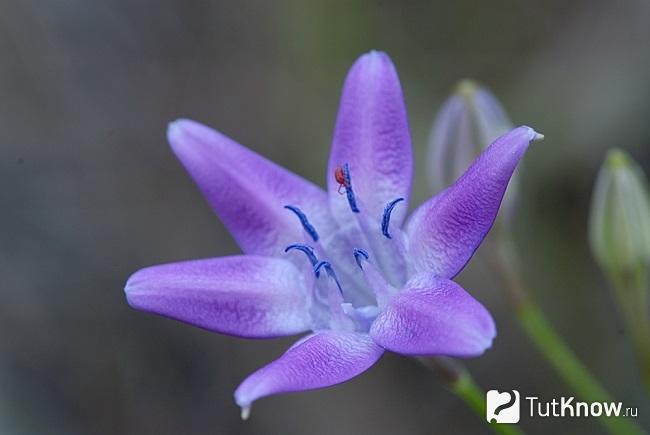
(177, 128)
(128, 294)
(373, 56)
(135, 282)
(244, 403)
(175, 125)
(130, 284)
(535, 136)
(127, 285)
(133, 296)
(486, 334)
(375, 53)
(479, 350)
(489, 336)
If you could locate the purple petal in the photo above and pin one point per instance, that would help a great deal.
(445, 231)
(434, 316)
(242, 295)
(324, 359)
(247, 191)
(372, 136)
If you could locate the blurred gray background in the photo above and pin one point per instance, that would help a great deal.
(90, 192)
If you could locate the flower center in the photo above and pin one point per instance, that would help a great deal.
(334, 295)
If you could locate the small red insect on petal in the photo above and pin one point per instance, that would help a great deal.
(339, 176)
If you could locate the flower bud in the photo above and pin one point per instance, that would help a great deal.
(619, 232)
(467, 123)
(619, 227)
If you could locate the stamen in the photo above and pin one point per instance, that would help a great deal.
(308, 250)
(304, 221)
(358, 254)
(385, 220)
(330, 272)
(348, 189)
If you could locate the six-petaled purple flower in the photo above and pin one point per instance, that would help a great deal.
(340, 264)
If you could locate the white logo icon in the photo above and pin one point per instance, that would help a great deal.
(502, 407)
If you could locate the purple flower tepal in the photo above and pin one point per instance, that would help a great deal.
(339, 264)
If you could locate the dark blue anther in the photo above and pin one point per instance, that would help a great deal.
(308, 250)
(304, 221)
(348, 189)
(385, 220)
(358, 254)
(330, 272)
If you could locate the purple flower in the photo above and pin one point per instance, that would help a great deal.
(339, 264)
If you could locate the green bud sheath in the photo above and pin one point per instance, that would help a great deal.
(619, 232)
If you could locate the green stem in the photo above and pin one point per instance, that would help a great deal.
(631, 291)
(557, 353)
(459, 381)
(474, 397)
(569, 368)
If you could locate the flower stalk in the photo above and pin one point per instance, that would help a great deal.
(549, 343)
(631, 292)
(460, 382)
